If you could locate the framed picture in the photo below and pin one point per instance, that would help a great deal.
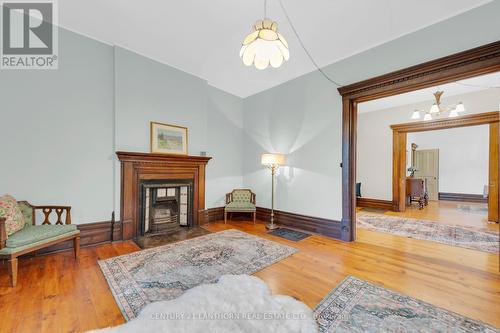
(168, 139)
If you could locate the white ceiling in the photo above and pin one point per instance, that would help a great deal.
(451, 89)
(203, 37)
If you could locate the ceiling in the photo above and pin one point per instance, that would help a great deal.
(451, 89)
(204, 37)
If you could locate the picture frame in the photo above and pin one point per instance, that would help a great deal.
(168, 139)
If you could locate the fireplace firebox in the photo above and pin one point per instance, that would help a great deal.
(165, 206)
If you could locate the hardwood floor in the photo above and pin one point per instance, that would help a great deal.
(57, 294)
(447, 212)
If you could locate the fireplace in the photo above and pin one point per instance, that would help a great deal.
(165, 179)
(166, 206)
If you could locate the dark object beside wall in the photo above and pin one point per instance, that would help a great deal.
(462, 197)
(358, 190)
(289, 234)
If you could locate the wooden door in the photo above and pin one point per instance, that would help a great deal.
(427, 165)
(493, 174)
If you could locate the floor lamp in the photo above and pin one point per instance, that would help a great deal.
(273, 162)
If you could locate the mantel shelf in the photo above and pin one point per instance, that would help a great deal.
(155, 157)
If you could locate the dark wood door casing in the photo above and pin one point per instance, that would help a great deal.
(478, 61)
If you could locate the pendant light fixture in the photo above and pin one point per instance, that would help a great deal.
(437, 109)
(453, 113)
(415, 115)
(265, 45)
(460, 107)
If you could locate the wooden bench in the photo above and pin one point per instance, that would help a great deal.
(34, 237)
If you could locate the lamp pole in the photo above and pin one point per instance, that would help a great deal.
(272, 226)
(272, 162)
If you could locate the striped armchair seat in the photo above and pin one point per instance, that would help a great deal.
(241, 201)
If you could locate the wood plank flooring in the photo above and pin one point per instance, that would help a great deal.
(448, 213)
(57, 294)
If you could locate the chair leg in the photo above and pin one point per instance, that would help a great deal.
(254, 217)
(225, 217)
(76, 246)
(13, 271)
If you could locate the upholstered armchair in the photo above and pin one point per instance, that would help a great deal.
(241, 201)
(20, 235)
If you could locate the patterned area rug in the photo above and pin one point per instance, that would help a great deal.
(480, 240)
(359, 306)
(166, 272)
(475, 209)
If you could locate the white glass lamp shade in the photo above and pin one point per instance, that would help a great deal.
(460, 107)
(273, 159)
(427, 116)
(415, 115)
(264, 46)
(434, 108)
(453, 113)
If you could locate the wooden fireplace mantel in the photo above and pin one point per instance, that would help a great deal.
(136, 167)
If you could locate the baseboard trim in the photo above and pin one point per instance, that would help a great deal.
(375, 203)
(106, 231)
(210, 215)
(462, 197)
(90, 234)
(317, 225)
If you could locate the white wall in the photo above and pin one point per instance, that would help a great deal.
(463, 157)
(374, 168)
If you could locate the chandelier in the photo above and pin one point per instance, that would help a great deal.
(437, 109)
(264, 46)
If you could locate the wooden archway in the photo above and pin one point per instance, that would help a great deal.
(478, 61)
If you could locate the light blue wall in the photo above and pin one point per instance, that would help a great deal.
(56, 130)
(60, 129)
(302, 117)
(225, 142)
(147, 90)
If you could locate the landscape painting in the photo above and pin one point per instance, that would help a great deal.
(168, 139)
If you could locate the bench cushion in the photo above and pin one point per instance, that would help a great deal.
(237, 206)
(37, 233)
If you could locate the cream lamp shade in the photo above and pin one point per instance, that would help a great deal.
(264, 46)
(273, 159)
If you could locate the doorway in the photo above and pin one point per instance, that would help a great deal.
(481, 60)
(426, 162)
(429, 159)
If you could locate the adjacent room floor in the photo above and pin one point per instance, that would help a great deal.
(56, 294)
(448, 212)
